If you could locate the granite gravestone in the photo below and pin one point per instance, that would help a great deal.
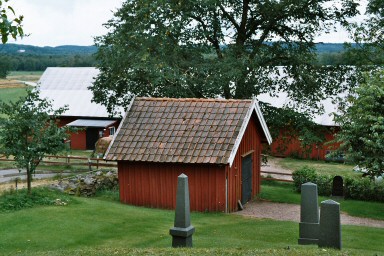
(330, 226)
(337, 186)
(309, 215)
(183, 230)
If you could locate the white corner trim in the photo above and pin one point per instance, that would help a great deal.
(254, 106)
(262, 122)
(119, 128)
(241, 134)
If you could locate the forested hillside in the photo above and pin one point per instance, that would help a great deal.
(16, 57)
(33, 58)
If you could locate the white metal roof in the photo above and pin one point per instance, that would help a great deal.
(282, 100)
(69, 87)
(91, 123)
(68, 78)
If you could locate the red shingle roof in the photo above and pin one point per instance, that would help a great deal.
(180, 130)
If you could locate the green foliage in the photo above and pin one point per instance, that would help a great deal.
(29, 131)
(14, 200)
(368, 36)
(4, 67)
(364, 189)
(303, 175)
(362, 126)
(9, 26)
(354, 188)
(309, 174)
(217, 48)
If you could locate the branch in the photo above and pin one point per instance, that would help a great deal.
(230, 18)
(214, 41)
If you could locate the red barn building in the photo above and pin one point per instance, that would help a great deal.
(69, 87)
(285, 145)
(216, 143)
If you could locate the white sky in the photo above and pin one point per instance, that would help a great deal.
(76, 22)
(64, 22)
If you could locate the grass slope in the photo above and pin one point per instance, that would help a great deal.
(284, 193)
(99, 227)
(322, 167)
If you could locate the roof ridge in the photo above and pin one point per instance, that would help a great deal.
(192, 99)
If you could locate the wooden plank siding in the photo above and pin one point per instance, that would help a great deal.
(292, 148)
(251, 143)
(154, 185)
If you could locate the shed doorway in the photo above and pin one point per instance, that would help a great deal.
(92, 135)
(246, 179)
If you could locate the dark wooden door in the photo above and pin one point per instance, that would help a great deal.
(246, 178)
(92, 135)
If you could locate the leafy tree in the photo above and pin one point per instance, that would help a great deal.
(362, 126)
(369, 36)
(4, 67)
(29, 132)
(9, 27)
(210, 48)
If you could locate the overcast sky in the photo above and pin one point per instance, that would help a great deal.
(76, 22)
(64, 22)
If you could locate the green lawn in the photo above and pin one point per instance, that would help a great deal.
(284, 193)
(8, 94)
(103, 227)
(321, 167)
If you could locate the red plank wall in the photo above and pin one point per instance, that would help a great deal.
(293, 148)
(155, 184)
(251, 142)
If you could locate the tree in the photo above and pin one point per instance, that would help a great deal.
(29, 132)
(211, 48)
(8, 26)
(362, 126)
(368, 36)
(4, 67)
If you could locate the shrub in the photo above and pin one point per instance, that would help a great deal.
(303, 175)
(13, 200)
(364, 189)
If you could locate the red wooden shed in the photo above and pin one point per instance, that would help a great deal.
(216, 143)
(70, 87)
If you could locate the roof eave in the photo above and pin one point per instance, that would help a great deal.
(254, 107)
(118, 130)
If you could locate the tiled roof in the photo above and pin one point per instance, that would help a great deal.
(180, 130)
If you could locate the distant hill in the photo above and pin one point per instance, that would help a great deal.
(16, 49)
(19, 49)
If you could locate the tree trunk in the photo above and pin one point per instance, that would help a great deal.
(29, 180)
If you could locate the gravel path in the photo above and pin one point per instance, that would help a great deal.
(291, 212)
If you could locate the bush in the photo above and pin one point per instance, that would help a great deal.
(354, 188)
(13, 200)
(364, 189)
(303, 175)
(308, 174)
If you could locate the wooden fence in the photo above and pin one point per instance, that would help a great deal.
(71, 161)
(277, 179)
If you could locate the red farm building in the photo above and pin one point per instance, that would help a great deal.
(69, 87)
(216, 143)
(285, 145)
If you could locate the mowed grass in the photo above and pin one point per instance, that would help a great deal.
(322, 167)
(12, 94)
(99, 227)
(284, 193)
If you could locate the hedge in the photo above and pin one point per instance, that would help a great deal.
(354, 188)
